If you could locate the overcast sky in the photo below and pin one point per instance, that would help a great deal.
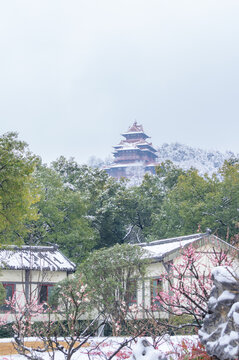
(75, 74)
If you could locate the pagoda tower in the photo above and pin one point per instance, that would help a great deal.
(133, 154)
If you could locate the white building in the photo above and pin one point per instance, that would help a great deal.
(164, 254)
(32, 271)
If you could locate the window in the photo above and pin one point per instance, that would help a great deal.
(45, 292)
(10, 289)
(156, 287)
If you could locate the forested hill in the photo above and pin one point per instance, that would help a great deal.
(185, 157)
(82, 209)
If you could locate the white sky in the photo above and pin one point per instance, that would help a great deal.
(75, 74)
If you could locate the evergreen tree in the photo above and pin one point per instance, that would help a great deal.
(111, 275)
(195, 203)
(62, 217)
(101, 193)
(17, 194)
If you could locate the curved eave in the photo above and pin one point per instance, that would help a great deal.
(148, 151)
(136, 133)
(68, 270)
(128, 149)
(150, 148)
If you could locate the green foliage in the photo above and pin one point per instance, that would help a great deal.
(226, 204)
(17, 194)
(108, 217)
(62, 217)
(82, 209)
(2, 294)
(81, 178)
(183, 208)
(100, 194)
(172, 203)
(118, 213)
(169, 174)
(71, 295)
(195, 203)
(175, 322)
(110, 275)
(137, 205)
(6, 331)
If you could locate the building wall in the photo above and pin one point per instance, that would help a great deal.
(18, 278)
(36, 276)
(204, 247)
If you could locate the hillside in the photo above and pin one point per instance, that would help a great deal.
(184, 156)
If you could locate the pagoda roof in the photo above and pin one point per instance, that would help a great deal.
(126, 145)
(142, 144)
(148, 150)
(135, 129)
(134, 148)
(121, 165)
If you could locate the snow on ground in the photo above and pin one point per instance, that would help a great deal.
(99, 346)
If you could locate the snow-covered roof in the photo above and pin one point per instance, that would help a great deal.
(125, 165)
(160, 248)
(142, 147)
(43, 258)
(133, 142)
(133, 132)
(148, 146)
(149, 151)
(135, 129)
(151, 164)
(129, 146)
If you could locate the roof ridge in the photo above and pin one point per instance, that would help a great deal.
(35, 258)
(30, 247)
(174, 239)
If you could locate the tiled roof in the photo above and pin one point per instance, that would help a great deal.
(160, 248)
(138, 144)
(135, 128)
(125, 165)
(43, 258)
